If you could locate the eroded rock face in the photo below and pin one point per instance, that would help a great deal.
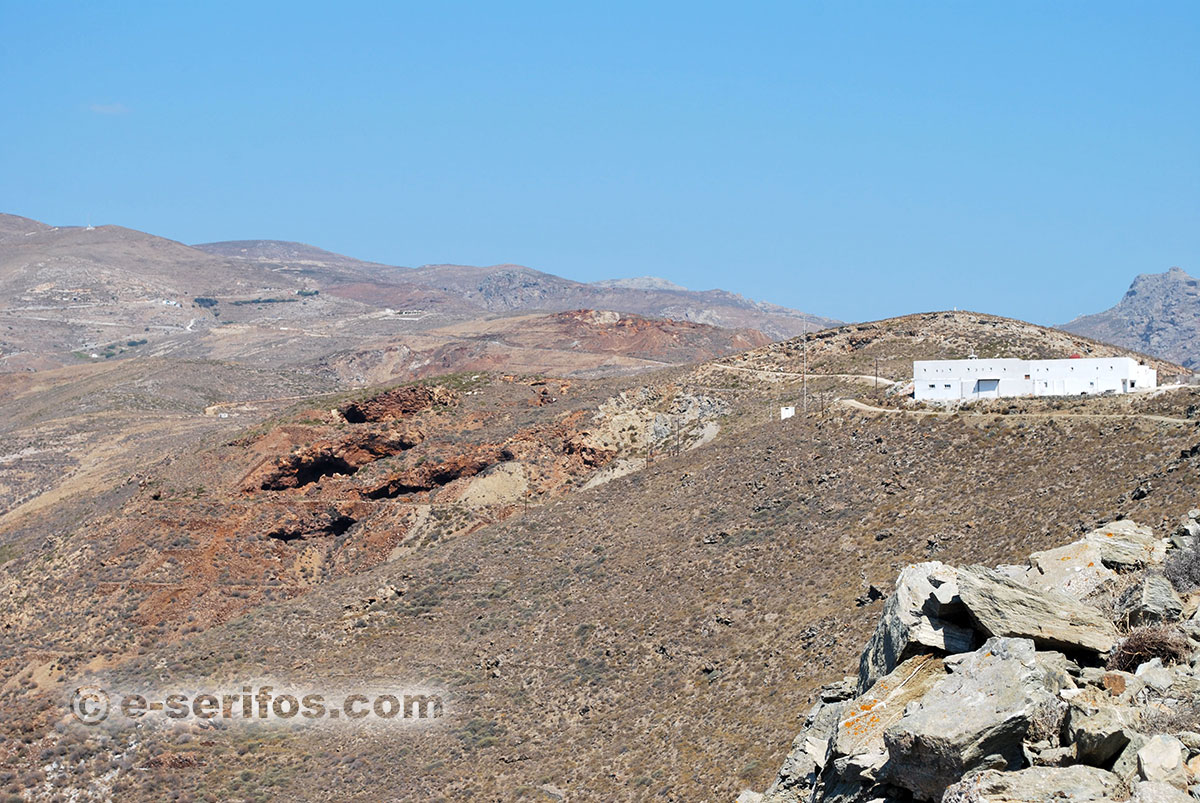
(434, 474)
(1000, 606)
(910, 623)
(976, 718)
(324, 458)
(589, 448)
(1037, 785)
(1075, 569)
(1126, 544)
(1152, 601)
(397, 403)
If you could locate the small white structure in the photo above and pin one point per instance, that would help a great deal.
(945, 380)
(786, 412)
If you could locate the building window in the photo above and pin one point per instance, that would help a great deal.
(1026, 376)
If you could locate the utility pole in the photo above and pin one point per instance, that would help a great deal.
(804, 327)
(877, 373)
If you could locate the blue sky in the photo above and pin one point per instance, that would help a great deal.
(857, 160)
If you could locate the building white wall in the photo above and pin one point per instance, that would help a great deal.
(983, 379)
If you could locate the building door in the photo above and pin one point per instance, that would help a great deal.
(987, 387)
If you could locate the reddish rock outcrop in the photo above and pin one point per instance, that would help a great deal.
(397, 403)
(435, 473)
(323, 458)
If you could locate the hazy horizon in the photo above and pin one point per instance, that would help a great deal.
(855, 161)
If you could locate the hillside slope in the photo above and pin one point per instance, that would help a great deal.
(654, 635)
(1159, 314)
(892, 344)
(71, 295)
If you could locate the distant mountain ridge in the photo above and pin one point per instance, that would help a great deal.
(75, 294)
(1159, 315)
(509, 288)
(641, 283)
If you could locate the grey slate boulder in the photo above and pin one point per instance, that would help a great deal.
(1125, 766)
(1157, 792)
(1127, 545)
(1001, 606)
(1151, 601)
(1037, 785)
(1075, 569)
(907, 627)
(864, 719)
(1098, 730)
(1161, 760)
(976, 718)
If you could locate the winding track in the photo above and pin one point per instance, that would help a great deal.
(772, 374)
(1162, 419)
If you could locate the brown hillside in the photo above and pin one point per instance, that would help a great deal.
(653, 636)
(896, 342)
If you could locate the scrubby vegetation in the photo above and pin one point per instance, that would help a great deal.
(1183, 568)
(1164, 642)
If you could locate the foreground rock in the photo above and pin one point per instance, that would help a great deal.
(1075, 570)
(1037, 785)
(1000, 606)
(1127, 545)
(1007, 686)
(912, 622)
(1155, 792)
(1099, 731)
(810, 749)
(1161, 761)
(977, 718)
(1150, 602)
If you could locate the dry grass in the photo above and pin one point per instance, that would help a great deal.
(1182, 568)
(1165, 642)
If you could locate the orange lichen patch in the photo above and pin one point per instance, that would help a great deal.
(1114, 683)
(871, 714)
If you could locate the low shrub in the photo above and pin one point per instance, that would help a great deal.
(1182, 568)
(1146, 643)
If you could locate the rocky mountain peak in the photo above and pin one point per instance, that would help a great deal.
(1159, 314)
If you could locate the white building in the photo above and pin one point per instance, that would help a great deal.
(992, 379)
